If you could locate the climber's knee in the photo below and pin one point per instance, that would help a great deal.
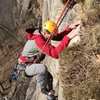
(35, 69)
(41, 69)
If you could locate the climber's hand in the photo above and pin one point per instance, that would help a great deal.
(73, 33)
(74, 25)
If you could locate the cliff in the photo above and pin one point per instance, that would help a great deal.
(76, 74)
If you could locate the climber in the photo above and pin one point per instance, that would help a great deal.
(34, 46)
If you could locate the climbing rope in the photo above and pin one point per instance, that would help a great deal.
(59, 21)
(65, 12)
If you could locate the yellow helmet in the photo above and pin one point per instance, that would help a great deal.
(50, 26)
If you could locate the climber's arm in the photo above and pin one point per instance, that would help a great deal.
(60, 35)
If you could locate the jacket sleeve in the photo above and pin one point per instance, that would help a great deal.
(60, 35)
(50, 49)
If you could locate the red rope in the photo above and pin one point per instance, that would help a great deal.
(57, 24)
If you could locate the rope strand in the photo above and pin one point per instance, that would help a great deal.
(59, 21)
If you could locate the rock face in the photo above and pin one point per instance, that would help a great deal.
(15, 17)
(51, 11)
(22, 13)
(79, 73)
(76, 73)
(73, 67)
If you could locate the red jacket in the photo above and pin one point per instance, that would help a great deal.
(49, 48)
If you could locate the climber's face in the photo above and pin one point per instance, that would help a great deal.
(45, 34)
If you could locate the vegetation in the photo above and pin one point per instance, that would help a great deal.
(80, 66)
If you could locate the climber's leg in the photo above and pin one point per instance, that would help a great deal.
(41, 75)
(40, 71)
(49, 81)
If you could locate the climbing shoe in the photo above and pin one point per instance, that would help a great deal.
(50, 95)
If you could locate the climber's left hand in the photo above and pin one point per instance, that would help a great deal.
(74, 25)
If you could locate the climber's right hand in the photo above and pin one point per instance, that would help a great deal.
(73, 33)
(74, 25)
